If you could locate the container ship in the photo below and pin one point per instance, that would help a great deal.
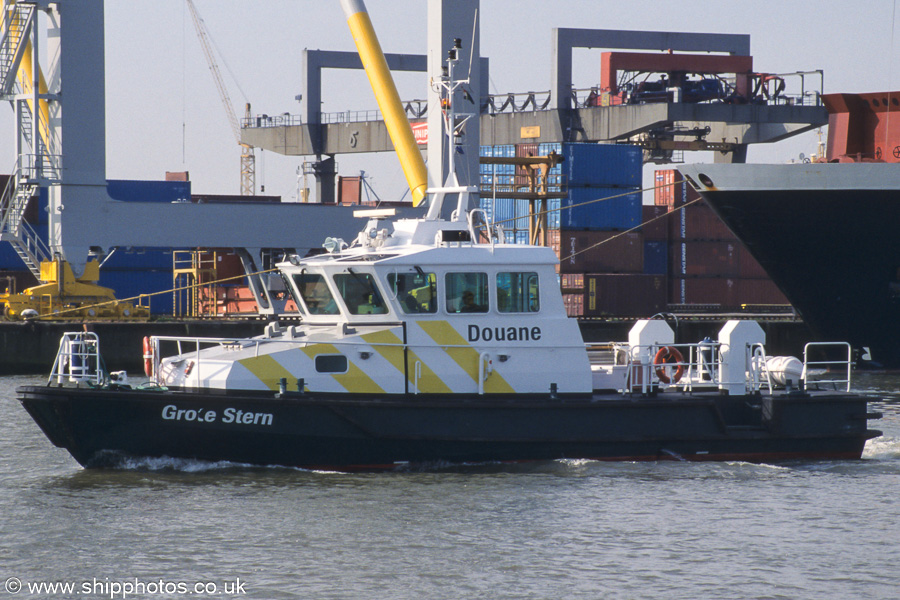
(620, 258)
(825, 231)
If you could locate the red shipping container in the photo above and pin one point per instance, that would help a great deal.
(698, 222)
(598, 251)
(523, 151)
(624, 295)
(574, 304)
(750, 269)
(758, 291)
(655, 223)
(527, 149)
(708, 259)
(572, 281)
(349, 190)
(724, 293)
(713, 292)
(228, 266)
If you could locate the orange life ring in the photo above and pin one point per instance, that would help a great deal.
(669, 355)
(148, 357)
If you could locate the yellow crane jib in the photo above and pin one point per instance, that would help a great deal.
(388, 99)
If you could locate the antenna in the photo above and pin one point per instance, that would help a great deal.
(472, 46)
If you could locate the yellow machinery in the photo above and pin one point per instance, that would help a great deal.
(193, 274)
(63, 296)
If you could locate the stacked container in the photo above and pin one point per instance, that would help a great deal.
(603, 183)
(601, 253)
(655, 227)
(709, 268)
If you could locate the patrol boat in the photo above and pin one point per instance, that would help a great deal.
(396, 366)
(432, 341)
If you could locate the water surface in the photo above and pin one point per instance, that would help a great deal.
(563, 529)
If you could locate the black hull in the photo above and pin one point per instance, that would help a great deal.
(99, 427)
(833, 251)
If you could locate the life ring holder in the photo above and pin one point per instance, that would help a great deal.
(148, 357)
(666, 356)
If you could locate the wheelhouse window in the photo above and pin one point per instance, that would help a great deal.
(518, 292)
(416, 292)
(315, 293)
(466, 292)
(292, 304)
(360, 293)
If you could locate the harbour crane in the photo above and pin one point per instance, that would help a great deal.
(248, 157)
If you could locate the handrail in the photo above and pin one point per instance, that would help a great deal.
(699, 369)
(641, 371)
(758, 362)
(255, 344)
(78, 359)
(827, 364)
(701, 366)
(247, 342)
(517, 102)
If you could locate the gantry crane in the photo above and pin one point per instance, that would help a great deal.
(248, 157)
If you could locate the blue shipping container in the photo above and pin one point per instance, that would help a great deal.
(522, 213)
(656, 257)
(546, 148)
(605, 165)
(488, 207)
(553, 205)
(504, 212)
(585, 208)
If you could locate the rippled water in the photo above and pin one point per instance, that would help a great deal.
(576, 529)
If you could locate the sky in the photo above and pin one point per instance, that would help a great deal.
(163, 111)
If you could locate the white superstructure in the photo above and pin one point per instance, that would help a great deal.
(422, 306)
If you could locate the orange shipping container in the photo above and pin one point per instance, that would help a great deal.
(664, 187)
